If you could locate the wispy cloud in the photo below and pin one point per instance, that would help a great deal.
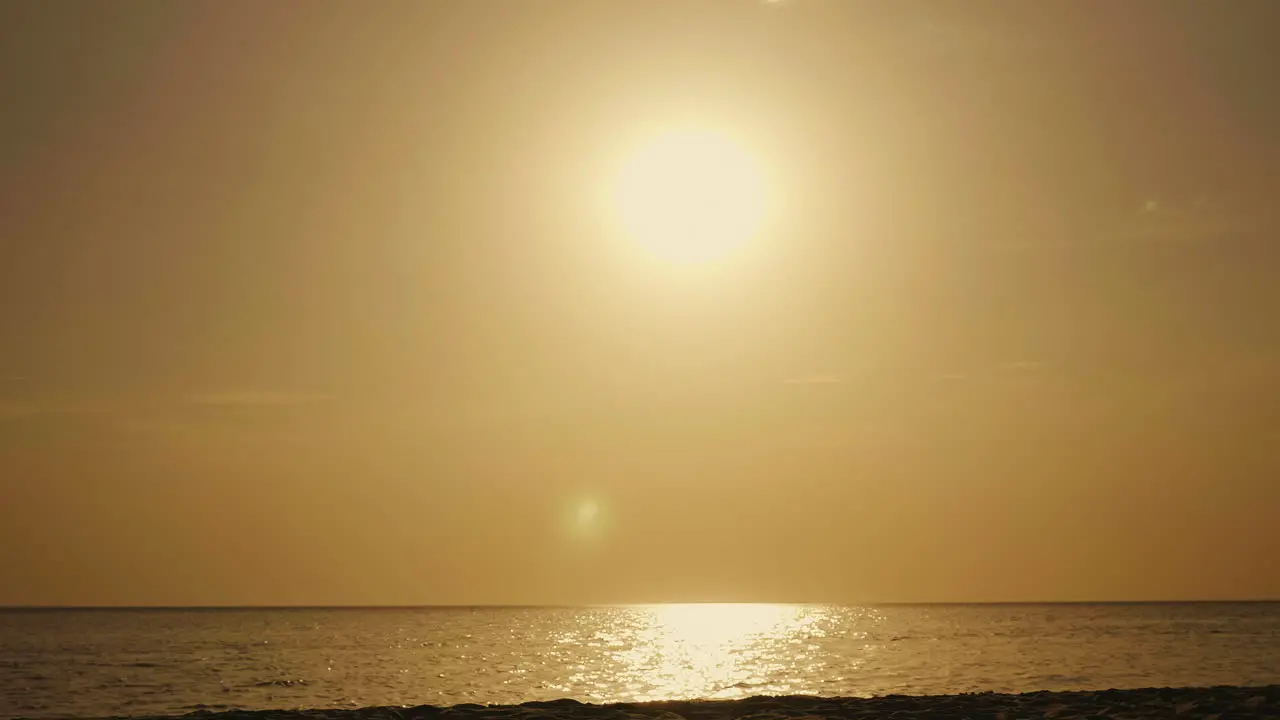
(948, 34)
(1201, 219)
(1155, 222)
(12, 410)
(820, 379)
(1021, 366)
(15, 410)
(256, 399)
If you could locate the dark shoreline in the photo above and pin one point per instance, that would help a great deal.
(1212, 703)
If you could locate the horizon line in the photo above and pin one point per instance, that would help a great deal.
(577, 606)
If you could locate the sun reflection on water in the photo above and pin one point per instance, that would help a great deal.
(709, 650)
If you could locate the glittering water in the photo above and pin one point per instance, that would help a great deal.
(103, 663)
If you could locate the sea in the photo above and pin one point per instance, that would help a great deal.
(111, 663)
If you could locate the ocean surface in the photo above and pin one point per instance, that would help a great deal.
(99, 663)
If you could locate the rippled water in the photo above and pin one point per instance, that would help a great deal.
(104, 663)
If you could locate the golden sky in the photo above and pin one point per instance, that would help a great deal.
(567, 301)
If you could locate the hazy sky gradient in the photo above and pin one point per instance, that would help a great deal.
(312, 303)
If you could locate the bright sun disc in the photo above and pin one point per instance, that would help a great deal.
(691, 197)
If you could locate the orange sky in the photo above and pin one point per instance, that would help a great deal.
(309, 303)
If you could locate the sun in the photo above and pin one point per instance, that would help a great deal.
(587, 513)
(691, 196)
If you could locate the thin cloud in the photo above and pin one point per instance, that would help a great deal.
(958, 34)
(256, 399)
(1156, 221)
(14, 410)
(824, 379)
(1202, 219)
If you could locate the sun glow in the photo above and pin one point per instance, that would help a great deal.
(691, 196)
